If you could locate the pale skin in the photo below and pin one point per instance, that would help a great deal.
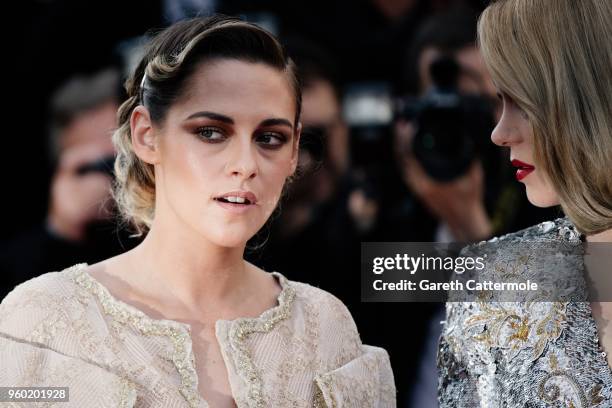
(190, 266)
(513, 131)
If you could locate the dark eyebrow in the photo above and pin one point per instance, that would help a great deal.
(226, 119)
(213, 116)
(276, 122)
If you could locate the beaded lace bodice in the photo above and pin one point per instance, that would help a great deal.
(304, 352)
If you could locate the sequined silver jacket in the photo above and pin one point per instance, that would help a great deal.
(528, 353)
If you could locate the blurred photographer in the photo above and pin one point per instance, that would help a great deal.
(441, 143)
(324, 155)
(474, 196)
(82, 154)
(82, 116)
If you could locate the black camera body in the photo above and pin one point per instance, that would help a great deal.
(368, 111)
(451, 128)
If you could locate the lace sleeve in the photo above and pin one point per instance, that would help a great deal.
(366, 381)
(34, 321)
(37, 310)
(88, 385)
(360, 375)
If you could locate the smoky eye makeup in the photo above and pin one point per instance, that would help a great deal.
(270, 134)
(271, 139)
(267, 139)
(210, 134)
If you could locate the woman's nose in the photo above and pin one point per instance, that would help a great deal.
(243, 162)
(506, 133)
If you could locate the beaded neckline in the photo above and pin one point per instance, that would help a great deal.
(80, 269)
(180, 333)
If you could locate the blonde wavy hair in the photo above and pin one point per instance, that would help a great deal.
(553, 58)
(171, 57)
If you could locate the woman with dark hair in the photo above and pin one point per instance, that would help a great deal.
(206, 143)
(550, 61)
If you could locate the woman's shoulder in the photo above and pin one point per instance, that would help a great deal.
(53, 283)
(83, 383)
(328, 307)
(335, 325)
(547, 255)
(354, 373)
(559, 230)
(317, 295)
(44, 340)
(39, 307)
(323, 317)
(44, 335)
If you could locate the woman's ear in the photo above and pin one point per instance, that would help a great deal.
(143, 135)
(296, 148)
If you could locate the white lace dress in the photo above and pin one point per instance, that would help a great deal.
(65, 329)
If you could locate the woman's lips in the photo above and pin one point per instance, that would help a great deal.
(523, 169)
(235, 208)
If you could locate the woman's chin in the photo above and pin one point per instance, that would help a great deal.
(232, 240)
(542, 199)
(231, 237)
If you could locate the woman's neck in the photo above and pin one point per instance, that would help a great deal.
(178, 265)
(598, 263)
(604, 236)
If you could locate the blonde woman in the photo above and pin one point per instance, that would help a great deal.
(552, 64)
(206, 143)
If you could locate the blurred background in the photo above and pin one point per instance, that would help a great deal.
(397, 112)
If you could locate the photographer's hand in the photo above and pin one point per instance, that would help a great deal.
(76, 200)
(459, 203)
(363, 210)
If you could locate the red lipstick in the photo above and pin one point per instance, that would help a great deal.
(523, 169)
